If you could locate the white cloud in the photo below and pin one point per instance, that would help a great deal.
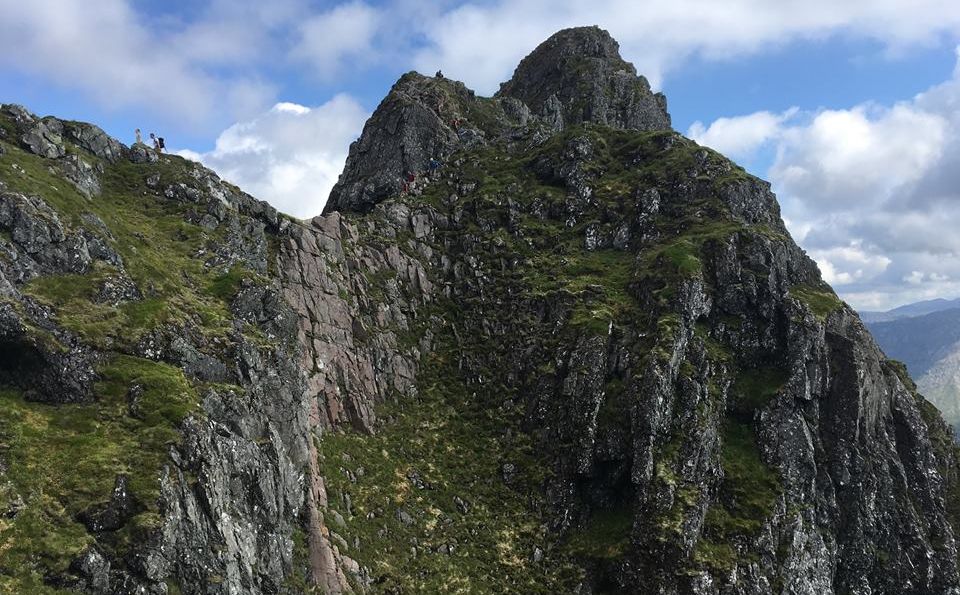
(857, 156)
(345, 33)
(740, 136)
(289, 156)
(843, 265)
(481, 43)
(105, 50)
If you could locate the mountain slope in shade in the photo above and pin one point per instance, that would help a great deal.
(929, 345)
(583, 355)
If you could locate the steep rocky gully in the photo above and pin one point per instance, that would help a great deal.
(583, 355)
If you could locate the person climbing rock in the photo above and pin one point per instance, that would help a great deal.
(433, 164)
(158, 143)
(439, 75)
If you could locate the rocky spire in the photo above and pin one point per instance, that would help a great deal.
(411, 125)
(577, 75)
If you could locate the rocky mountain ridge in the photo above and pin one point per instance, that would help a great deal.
(582, 355)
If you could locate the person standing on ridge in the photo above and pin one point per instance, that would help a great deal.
(157, 142)
(138, 141)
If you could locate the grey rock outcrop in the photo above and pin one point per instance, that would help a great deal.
(578, 76)
(45, 138)
(414, 123)
(574, 77)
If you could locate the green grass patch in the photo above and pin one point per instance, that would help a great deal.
(227, 285)
(746, 498)
(452, 441)
(822, 302)
(754, 388)
(162, 252)
(606, 535)
(63, 459)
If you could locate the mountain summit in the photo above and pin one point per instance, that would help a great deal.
(575, 77)
(538, 343)
(578, 76)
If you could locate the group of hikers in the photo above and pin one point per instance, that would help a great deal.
(158, 144)
(409, 182)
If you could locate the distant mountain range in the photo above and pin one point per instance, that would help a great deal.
(926, 337)
(910, 310)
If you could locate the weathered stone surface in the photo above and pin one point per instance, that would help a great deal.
(82, 175)
(93, 139)
(110, 516)
(45, 138)
(578, 76)
(414, 123)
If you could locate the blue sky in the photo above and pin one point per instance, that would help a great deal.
(850, 109)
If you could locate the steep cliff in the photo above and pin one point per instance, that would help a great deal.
(582, 354)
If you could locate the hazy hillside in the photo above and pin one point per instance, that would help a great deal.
(930, 347)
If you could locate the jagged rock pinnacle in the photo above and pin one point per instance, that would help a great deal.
(577, 75)
(411, 125)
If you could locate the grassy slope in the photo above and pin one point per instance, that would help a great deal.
(62, 459)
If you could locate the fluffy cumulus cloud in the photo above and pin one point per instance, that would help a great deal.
(291, 155)
(108, 51)
(480, 43)
(845, 158)
(873, 192)
(741, 136)
(346, 32)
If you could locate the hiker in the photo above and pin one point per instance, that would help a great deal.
(139, 140)
(439, 75)
(433, 164)
(157, 142)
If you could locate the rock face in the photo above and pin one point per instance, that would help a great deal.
(578, 76)
(582, 354)
(413, 124)
(574, 77)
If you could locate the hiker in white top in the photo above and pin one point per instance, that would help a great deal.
(139, 140)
